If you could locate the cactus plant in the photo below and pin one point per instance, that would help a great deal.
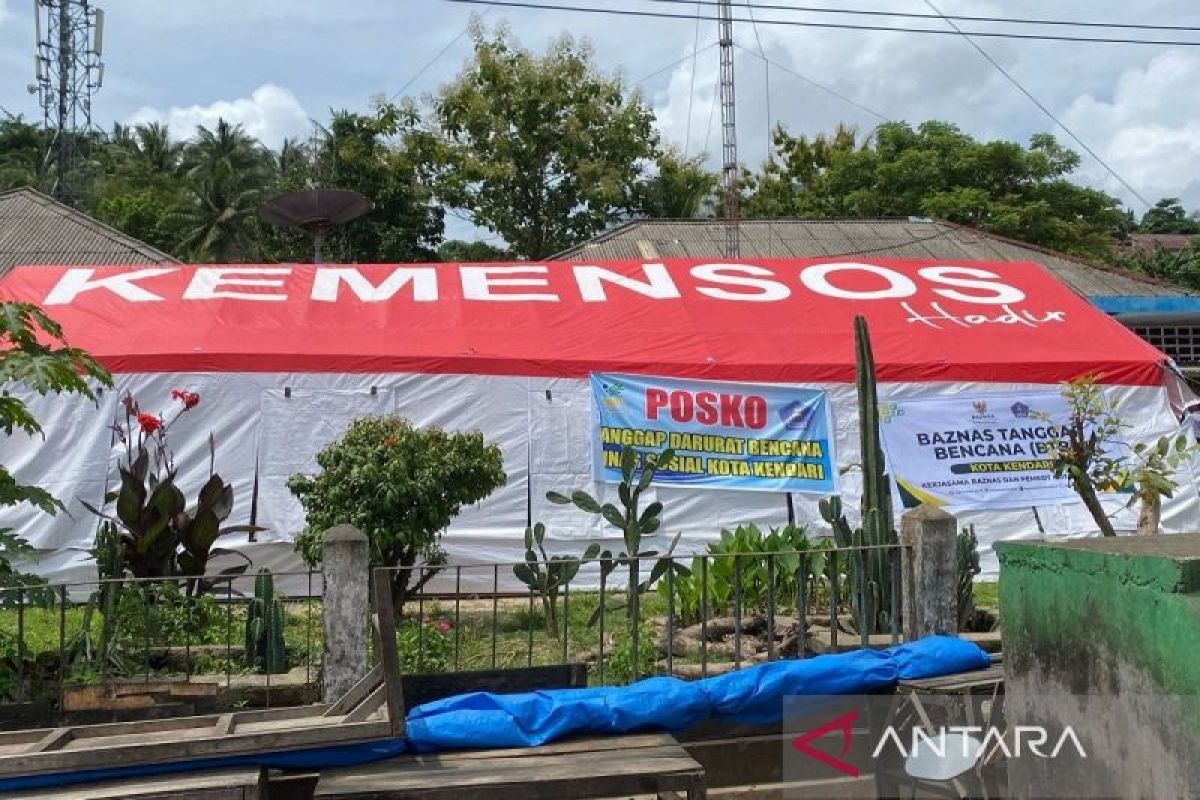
(870, 570)
(967, 552)
(264, 627)
(637, 473)
(549, 574)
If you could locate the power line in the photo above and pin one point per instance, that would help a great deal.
(960, 17)
(440, 53)
(676, 63)
(629, 12)
(1041, 106)
(766, 76)
(817, 85)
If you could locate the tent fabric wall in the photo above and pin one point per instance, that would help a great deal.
(543, 427)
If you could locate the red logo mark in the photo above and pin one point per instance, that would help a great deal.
(843, 724)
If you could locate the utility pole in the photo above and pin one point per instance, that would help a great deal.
(729, 166)
(70, 40)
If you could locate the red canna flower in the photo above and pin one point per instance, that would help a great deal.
(149, 423)
(443, 626)
(189, 399)
(390, 441)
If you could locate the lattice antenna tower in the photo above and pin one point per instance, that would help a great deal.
(68, 71)
(729, 165)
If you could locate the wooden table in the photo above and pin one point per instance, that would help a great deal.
(613, 766)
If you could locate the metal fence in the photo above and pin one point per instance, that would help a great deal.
(691, 616)
(59, 639)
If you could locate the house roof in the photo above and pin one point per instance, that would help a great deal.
(37, 229)
(887, 238)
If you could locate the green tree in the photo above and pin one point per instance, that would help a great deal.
(936, 170)
(458, 251)
(34, 356)
(1169, 216)
(368, 154)
(680, 189)
(399, 485)
(546, 150)
(227, 173)
(22, 150)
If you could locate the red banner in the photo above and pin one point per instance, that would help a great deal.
(785, 321)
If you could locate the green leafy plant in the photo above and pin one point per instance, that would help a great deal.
(401, 486)
(967, 565)
(424, 646)
(744, 557)
(870, 561)
(1093, 459)
(161, 535)
(637, 473)
(265, 650)
(547, 575)
(35, 356)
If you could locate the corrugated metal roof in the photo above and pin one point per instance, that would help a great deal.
(890, 238)
(36, 229)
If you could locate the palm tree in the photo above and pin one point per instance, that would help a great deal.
(155, 150)
(228, 172)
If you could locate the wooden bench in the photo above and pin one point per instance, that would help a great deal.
(246, 783)
(614, 766)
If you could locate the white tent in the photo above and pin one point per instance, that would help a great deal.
(284, 356)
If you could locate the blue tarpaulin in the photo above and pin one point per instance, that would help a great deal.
(485, 720)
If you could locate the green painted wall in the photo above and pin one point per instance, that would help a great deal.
(1118, 620)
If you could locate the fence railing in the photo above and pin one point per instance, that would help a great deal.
(699, 616)
(57, 640)
(691, 617)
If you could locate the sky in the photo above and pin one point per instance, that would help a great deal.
(274, 65)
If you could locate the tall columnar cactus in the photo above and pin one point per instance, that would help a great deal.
(870, 571)
(264, 627)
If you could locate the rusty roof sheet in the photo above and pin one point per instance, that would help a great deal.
(36, 229)
(888, 238)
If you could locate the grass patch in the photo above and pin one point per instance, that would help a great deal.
(987, 594)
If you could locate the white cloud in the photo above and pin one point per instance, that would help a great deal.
(271, 114)
(3, 11)
(1149, 130)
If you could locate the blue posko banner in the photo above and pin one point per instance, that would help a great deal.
(725, 435)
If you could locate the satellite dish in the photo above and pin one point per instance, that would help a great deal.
(315, 211)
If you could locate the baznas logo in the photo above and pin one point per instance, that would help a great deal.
(795, 415)
(980, 407)
(1020, 410)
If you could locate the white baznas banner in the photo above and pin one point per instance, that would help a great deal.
(975, 451)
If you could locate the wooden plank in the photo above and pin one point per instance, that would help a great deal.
(52, 740)
(385, 629)
(358, 692)
(369, 706)
(533, 778)
(11, 741)
(419, 689)
(242, 783)
(155, 748)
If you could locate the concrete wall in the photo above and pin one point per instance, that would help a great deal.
(1104, 635)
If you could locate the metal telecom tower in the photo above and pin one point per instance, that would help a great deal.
(70, 39)
(729, 167)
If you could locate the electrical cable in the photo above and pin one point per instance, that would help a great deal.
(1041, 106)
(629, 12)
(960, 17)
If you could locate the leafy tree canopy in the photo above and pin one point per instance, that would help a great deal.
(544, 150)
(399, 485)
(936, 170)
(1169, 216)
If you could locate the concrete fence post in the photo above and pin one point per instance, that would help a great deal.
(929, 575)
(345, 567)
